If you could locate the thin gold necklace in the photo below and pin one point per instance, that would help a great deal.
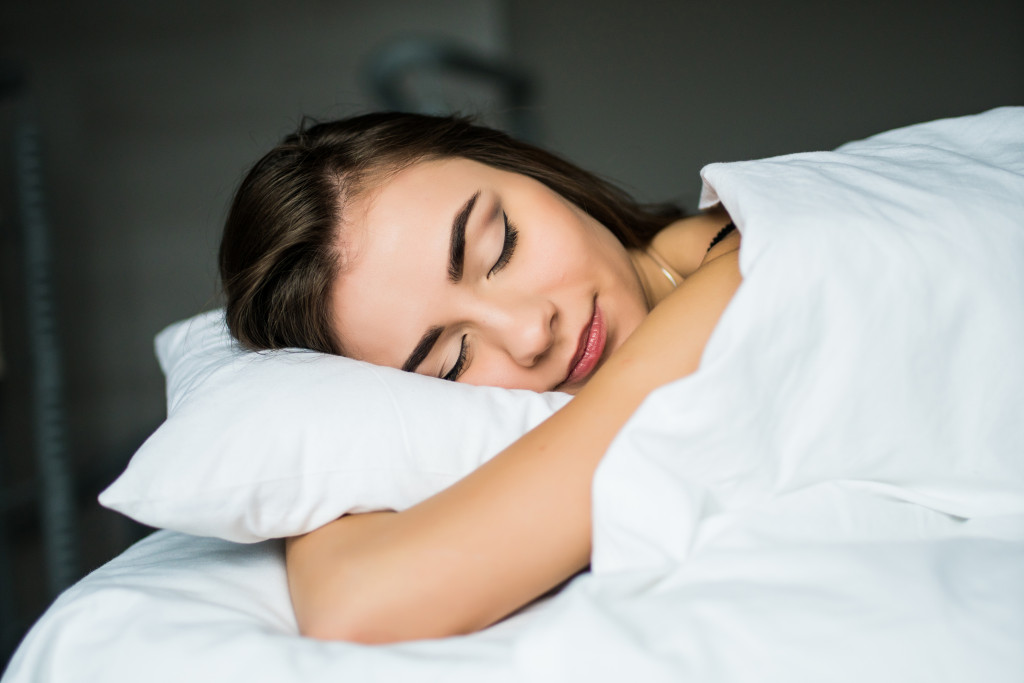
(662, 265)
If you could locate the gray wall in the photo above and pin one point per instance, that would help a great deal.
(151, 111)
(650, 91)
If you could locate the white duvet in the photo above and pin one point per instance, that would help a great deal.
(836, 495)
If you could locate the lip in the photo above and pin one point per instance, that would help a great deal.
(590, 349)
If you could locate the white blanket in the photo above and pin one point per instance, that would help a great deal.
(836, 495)
(876, 348)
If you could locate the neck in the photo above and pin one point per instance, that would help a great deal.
(657, 278)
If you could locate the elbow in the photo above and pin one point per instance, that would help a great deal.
(369, 613)
(344, 586)
(354, 624)
(338, 627)
(335, 613)
(334, 596)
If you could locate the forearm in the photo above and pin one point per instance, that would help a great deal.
(514, 528)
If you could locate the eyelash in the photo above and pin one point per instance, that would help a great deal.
(508, 248)
(456, 370)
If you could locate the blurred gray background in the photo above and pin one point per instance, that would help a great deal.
(148, 113)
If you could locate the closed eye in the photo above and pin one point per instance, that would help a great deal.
(460, 364)
(508, 247)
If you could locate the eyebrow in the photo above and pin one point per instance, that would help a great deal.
(457, 247)
(456, 261)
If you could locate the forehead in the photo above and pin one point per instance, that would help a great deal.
(418, 189)
(394, 242)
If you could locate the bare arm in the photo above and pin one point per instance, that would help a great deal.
(514, 528)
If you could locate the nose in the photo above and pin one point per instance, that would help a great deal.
(524, 328)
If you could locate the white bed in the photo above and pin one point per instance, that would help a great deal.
(836, 495)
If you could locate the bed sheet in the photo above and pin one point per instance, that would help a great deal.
(185, 608)
(182, 608)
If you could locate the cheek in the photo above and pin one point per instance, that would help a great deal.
(546, 257)
(492, 369)
(563, 263)
(576, 247)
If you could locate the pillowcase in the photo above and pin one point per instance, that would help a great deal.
(274, 444)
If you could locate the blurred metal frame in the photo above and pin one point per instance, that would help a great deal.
(52, 487)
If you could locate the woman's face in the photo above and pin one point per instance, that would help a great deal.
(455, 269)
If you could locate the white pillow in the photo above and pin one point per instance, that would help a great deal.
(274, 444)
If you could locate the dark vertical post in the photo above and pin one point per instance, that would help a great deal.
(56, 493)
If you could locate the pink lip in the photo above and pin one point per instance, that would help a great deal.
(591, 346)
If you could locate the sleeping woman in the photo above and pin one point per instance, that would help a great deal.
(451, 250)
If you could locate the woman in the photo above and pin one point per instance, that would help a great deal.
(439, 247)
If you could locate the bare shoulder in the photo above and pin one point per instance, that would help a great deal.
(684, 243)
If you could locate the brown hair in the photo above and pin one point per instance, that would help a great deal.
(278, 253)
